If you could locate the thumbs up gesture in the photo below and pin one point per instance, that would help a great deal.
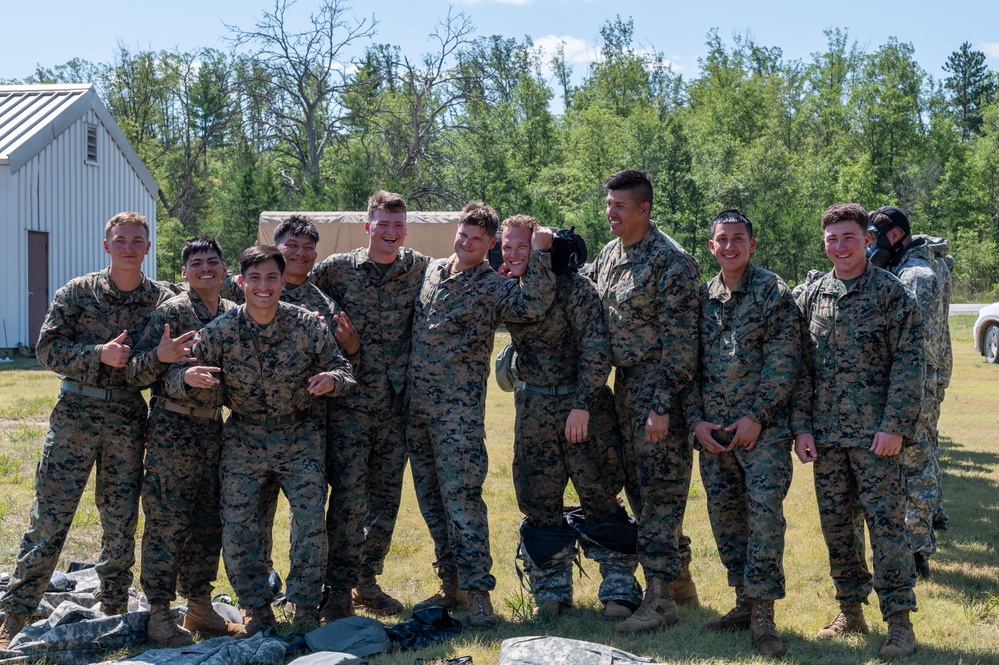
(176, 349)
(115, 353)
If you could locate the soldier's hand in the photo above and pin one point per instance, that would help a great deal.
(704, 432)
(577, 426)
(804, 448)
(314, 313)
(746, 431)
(321, 383)
(542, 238)
(201, 376)
(503, 270)
(177, 349)
(886, 445)
(656, 427)
(345, 334)
(116, 353)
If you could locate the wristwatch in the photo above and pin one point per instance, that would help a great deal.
(660, 409)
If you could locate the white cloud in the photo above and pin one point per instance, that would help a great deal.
(577, 51)
(991, 49)
(496, 2)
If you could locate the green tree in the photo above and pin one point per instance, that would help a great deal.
(971, 84)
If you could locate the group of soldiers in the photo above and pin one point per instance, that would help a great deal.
(336, 373)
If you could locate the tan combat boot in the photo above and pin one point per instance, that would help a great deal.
(13, 622)
(849, 621)
(615, 610)
(901, 640)
(201, 617)
(111, 609)
(448, 596)
(369, 595)
(306, 619)
(684, 589)
(257, 620)
(738, 618)
(548, 610)
(764, 630)
(480, 609)
(163, 630)
(657, 610)
(337, 605)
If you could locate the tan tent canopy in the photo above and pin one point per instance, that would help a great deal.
(431, 233)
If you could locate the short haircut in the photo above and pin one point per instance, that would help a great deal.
(845, 212)
(886, 218)
(519, 222)
(254, 256)
(387, 201)
(636, 183)
(732, 216)
(477, 213)
(200, 245)
(123, 218)
(296, 225)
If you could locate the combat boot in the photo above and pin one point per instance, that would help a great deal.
(162, 628)
(257, 620)
(369, 595)
(13, 622)
(901, 640)
(547, 610)
(337, 605)
(615, 609)
(658, 609)
(849, 621)
(480, 609)
(764, 630)
(111, 609)
(306, 619)
(922, 563)
(448, 596)
(738, 618)
(684, 589)
(201, 617)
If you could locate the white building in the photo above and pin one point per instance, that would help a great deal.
(65, 169)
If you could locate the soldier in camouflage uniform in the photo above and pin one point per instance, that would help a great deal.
(912, 262)
(274, 360)
(366, 451)
(856, 403)
(565, 430)
(737, 408)
(648, 286)
(182, 537)
(98, 419)
(460, 304)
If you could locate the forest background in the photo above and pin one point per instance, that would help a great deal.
(284, 119)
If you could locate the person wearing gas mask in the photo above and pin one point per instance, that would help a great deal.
(566, 429)
(912, 261)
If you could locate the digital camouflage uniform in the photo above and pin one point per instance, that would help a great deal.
(85, 313)
(922, 471)
(453, 329)
(265, 375)
(750, 354)
(568, 352)
(649, 296)
(366, 451)
(182, 536)
(865, 374)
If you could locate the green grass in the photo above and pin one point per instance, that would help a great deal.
(958, 621)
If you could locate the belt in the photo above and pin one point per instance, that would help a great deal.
(637, 370)
(197, 412)
(273, 421)
(103, 394)
(545, 390)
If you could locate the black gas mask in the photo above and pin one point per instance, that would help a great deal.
(882, 252)
(879, 252)
(568, 251)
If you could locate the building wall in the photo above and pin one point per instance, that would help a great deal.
(57, 192)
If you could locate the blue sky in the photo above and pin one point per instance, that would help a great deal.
(50, 32)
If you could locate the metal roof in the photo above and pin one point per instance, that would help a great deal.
(32, 116)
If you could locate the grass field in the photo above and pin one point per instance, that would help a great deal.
(958, 621)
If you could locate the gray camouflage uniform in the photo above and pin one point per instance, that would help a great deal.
(453, 329)
(86, 430)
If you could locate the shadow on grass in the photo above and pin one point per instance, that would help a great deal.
(20, 363)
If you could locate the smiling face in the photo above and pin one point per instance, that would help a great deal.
(732, 246)
(299, 257)
(845, 243)
(127, 244)
(386, 231)
(628, 217)
(516, 246)
(471, 245)
(203, 271)
(262, 284)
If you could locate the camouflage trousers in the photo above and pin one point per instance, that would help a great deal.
(543, 463)
(84, 432)
(182, 537)
(931, 412)
(922, 477)
(657, 477)
(251, 456)
(365, 461)
(745, 491)
(852, 484)
(449, 465)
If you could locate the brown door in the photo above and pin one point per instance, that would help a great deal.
(38, 283)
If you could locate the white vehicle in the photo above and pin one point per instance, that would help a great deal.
(986, 332)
